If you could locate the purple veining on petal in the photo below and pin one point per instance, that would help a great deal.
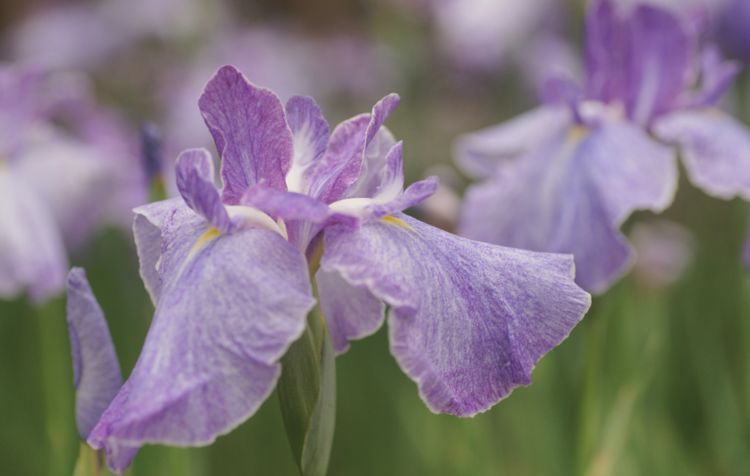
(468, 320)
(351, 312)
(159, 230)
(250, 132)
(415, 194)
(96, 369)
(286, 205)
(195, 181)
(341, 165)
(715, 149)
(310, 134)
(225, 316)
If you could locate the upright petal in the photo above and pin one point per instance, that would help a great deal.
(571, 196)
(468, 320)
(250, 132)
(715, 150)
(310, 133)
(96, 369)
(226, 314)
(32, 257)
(195, 181)
(479, 154)
(642, 58)
(341, 165)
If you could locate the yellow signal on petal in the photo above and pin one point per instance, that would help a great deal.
(391, 220)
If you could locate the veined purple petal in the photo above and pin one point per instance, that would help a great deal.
(310, 133)
(250, 132)
(572, 194)
(351, 312)
(286, 205)
(225, 316)
(32, 257)
(159, 228)
(479, 154)
(341, 165)
(715, 150)
(96, 369)
(415, 194)
(642, 58)
(468, 320)
(195, 181)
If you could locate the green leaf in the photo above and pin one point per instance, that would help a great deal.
(307, 392)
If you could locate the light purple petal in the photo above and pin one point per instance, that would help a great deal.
(195, 181)
(717, 76)
(715, 149)
(468, 320)
(351, 312)
(229, 308)
(572, 194)
(96, 370)
(642, 59)
(250, 132)
(32, 257)
(286, 205)
(155, 230)
(415, 194)
(479, 154)
(341, 165)
(310, 133)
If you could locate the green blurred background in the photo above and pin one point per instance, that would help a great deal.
(655, 380)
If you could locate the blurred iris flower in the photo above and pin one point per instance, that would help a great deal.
(230, 274)
(564, 177)
(65, 169)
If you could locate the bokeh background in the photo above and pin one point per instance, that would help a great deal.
(655, 380)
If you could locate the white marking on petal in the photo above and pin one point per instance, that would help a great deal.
(303, 157)
(252, 217)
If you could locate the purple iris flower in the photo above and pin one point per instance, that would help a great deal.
(564, 177)
(230, 271)
(57, 184)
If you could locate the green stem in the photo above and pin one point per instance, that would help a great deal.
(57, 383)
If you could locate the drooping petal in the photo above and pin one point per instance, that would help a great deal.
(642, 58)
(96, 369)
(715, 150)
(154, 228)
(229, 308)
(341, 165)
(480, 153)
(250, 132)
(310, 133)
(32, 257)
(468, 320)
(571, 196)
(195, 181)
(351, 312)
